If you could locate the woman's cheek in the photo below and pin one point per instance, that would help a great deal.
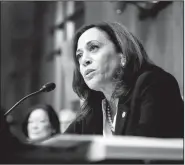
(81, 71)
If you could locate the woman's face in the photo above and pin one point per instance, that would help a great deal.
(39, 126)
(97, 57)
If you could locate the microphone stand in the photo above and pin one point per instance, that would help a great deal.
(31, 94)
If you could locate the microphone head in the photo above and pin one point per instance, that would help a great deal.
(48, 87)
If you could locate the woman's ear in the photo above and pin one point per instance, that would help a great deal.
(123, 60)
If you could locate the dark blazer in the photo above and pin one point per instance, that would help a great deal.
(154, 108)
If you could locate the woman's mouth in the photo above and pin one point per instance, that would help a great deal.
(35, 133)
(88, 71)
(89, 74)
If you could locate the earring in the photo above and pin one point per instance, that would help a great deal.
(123, 61)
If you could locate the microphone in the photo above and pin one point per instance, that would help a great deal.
(48, 87)
(45, 88)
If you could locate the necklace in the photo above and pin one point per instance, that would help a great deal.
(109, 117)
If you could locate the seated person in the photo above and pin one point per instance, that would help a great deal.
(124, 92)
(41, 123)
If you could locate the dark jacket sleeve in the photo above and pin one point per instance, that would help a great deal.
(157, 107)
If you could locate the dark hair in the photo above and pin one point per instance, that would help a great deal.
(53, 118)
(132, 50)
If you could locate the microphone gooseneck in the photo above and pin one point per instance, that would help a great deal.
(45, 88)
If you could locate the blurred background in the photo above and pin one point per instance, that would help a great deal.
(36, 46)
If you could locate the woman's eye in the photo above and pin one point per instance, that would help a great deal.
(93, 48)
(78, 56)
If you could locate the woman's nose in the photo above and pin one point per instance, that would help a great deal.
(35, 126)
(87, 62)
(86, 59)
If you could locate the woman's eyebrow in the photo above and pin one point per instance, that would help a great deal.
(92, 41)
(88, 44)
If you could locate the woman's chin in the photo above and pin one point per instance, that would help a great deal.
(93, 85)
(37, 138)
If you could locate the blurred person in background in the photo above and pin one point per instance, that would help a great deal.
(40, 123)
(124, 92)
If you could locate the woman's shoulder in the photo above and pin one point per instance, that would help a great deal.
(155, 75)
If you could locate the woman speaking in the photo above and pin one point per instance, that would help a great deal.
(123, 92)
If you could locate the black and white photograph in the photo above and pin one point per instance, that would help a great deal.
(92, 82)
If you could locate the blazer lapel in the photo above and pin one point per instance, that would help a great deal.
(121, 119)
(122, 116)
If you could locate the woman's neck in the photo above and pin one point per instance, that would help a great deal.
(113, 102)
(108, 90)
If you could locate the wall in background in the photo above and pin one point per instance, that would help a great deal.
(23, 29)
(162, 36)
